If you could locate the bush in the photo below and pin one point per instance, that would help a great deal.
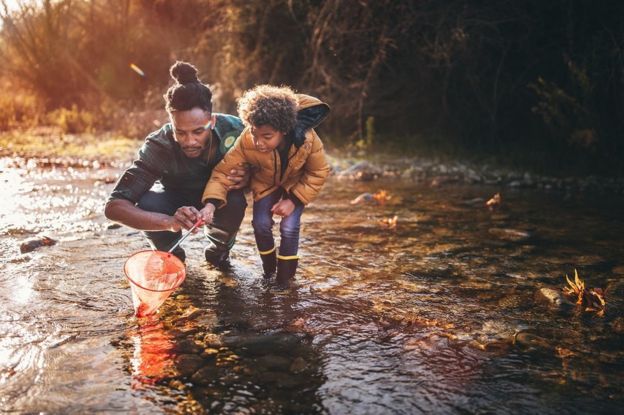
(73, 121)
(20, 110)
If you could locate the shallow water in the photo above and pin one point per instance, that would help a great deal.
(437, 315)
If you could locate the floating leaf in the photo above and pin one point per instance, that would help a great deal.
(381, 197)
(390, 223)
(592, 299)
(563, 352)
(494, 201)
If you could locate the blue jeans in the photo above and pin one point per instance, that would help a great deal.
(222, 233)
(263, 223)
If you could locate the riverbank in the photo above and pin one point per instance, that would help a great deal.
(49, 147)
(439, 172)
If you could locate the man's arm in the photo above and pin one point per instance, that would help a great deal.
(127, 213)
(132, 185)
(239, 176)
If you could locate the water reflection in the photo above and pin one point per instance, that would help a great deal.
(153, 353)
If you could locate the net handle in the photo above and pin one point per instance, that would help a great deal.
(199, 222)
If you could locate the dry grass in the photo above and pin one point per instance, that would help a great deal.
(50, 142)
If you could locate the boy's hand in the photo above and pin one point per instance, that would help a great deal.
(283, 208)
(207, 213)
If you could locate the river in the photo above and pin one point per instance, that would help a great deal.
(435, 315)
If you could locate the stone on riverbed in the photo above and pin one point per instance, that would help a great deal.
(188, 346)
(33, 244)
(205, 375)
(213, 340)
(514, 235)
(209, 353)
(531, 340)
(274, 362)
(263, 344)
(551, 298)
(363, 171)
(617, 325)
(187, 364)
(494, 334)
(619, 270)
(298, 365)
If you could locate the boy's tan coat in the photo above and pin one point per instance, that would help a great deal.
(306, 172)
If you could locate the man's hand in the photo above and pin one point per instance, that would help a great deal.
(283, 208)
(239, 176)
(207, 213)
(185, 217)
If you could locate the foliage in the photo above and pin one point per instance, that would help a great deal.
(592, 299)
(484, 76)
(51, 142)
(21, 109)
(72, 120)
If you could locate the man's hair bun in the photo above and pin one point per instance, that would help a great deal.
(183, 72)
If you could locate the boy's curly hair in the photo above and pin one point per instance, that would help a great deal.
(269, 105)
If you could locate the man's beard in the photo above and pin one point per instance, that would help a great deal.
(195, 150)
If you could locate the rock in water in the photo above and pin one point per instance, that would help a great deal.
(298, 365)
(363, 171)
(531, 340)
(513, 235)
(30, 246)
(187, 364)
(551, 298)
(617, 325)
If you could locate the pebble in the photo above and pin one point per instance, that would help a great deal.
(187, 364)
(209, 353)
(513, 235)
(213, 340)
(274, 362)
(551, 298)
(442, 173)
(188, 346)
(205, 375)
(617, 325)
(33, 244)
(619, 270)
(531, 340)
(298, 365)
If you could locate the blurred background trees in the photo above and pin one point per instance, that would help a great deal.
(544, 79)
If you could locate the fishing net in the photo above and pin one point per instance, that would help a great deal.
(153, 276)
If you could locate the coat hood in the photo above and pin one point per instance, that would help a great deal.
(312, 112)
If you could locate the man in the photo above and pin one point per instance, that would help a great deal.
(160, 193)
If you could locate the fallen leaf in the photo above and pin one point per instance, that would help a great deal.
(494, 201)
(389, 223)
(381, 197)
(563, 352)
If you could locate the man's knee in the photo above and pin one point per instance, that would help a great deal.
(236, 200)
(155, 202)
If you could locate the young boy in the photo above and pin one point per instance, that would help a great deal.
(288, 169)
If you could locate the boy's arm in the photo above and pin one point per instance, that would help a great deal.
(316, 170)
(217, 187)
